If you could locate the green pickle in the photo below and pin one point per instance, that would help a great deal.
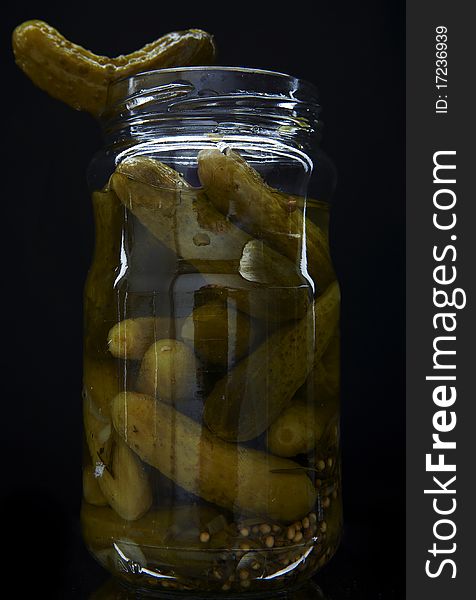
(237, 190)
(80, 78)
(211, 382)
(183, 219)
(285, 358)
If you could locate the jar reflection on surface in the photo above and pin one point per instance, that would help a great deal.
(112, 590)
(211, 355)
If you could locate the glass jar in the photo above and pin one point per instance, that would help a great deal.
(211, 354)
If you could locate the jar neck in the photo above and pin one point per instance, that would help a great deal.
(213, 103)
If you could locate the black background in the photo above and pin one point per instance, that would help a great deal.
(354, 53)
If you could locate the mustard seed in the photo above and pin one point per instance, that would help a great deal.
(298, 537)
(204, 537)
(269, 541)
(265, 529)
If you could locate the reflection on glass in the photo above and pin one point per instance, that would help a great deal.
(112, 590)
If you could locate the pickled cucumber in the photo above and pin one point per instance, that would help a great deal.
(251, 396)
(179, 215)
(219, 334)
(119, 472)
(240, 193)
(126, 484)
(294, 431)
(301, 425)
(232, 476)
(80, 78)
(99, 295)
(129, 339)
(313, 412)
(101, 383)
(327, 371)
(184, 220)
(169, 372)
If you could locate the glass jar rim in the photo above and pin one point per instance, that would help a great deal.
(224, 68)
(206, 100)
(285, 83)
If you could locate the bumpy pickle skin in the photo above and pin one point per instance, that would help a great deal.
(263, 283)
(99, 297)
(219, 334)
(239, 192)
(80, 78)
(129, 339)
(251, 396)
(119, 473)
(228, 475)
(310, 419)
(169, 372)
(178, 215)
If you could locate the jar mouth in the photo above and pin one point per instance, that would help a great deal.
(283, 80)
(216, 68)
(212, 100)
